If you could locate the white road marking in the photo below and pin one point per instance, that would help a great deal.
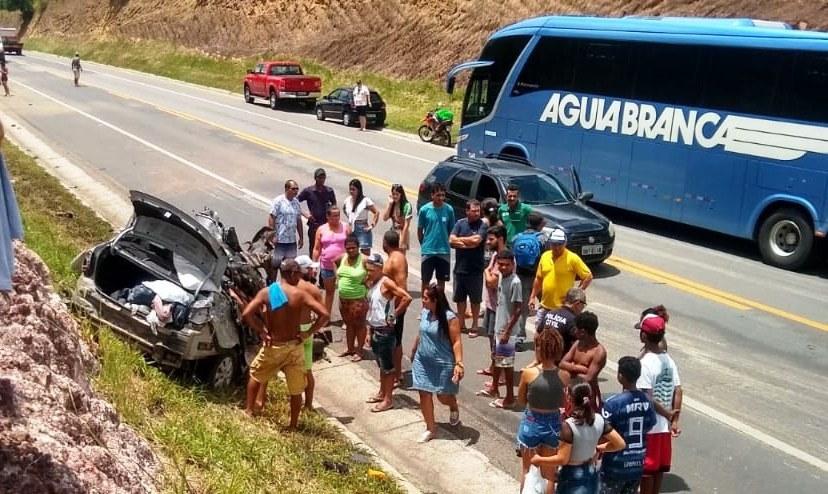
(689, 402)
(268, 117)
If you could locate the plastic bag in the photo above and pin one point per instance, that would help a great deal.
(534, 482)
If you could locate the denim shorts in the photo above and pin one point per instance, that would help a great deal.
(365, 237)
(578, 479)
(614, 486)
(504, 355)
(327, 274)
(537, 429)
(383, 343)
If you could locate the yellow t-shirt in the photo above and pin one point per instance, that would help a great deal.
(558, 276)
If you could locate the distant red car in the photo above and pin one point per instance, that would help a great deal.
(280, 81)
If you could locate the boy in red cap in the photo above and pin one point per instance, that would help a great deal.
(660, 381)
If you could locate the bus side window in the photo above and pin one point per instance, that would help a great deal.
(549, 67)
(802, 93)
(603, 68)
(667, 73)
(742, 80)
(486, 188)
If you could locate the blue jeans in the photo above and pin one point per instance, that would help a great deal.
(537, 429)
(578, 479)
(365, 237)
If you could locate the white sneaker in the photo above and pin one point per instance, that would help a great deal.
(454, 418)
(426, 437)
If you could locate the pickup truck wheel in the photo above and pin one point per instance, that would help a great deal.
(320, 115)
(247, 97)
(346, 119)
(274, 100)
(223, 371)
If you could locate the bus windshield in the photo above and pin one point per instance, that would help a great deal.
(485, 83)
(540, 189)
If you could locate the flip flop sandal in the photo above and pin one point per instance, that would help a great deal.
(499, 403)
(375, 409)
(488, 393)
(373, 399)
(473, 333)
(484, 372)
(357, 358)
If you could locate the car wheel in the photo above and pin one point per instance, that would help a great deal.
(786, 239)
(223, 371)
(320, 114)
(274, 100)
(346, 119)
(247, 97)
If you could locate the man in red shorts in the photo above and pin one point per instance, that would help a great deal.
(660, 381)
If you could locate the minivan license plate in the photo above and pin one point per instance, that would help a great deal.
(302, 93)
(591, 250)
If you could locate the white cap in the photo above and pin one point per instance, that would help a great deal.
(305, 263)
(557, 236)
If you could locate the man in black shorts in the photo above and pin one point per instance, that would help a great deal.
(467, 238)
(435, 221)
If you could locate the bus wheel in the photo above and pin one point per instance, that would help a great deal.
(786, 239)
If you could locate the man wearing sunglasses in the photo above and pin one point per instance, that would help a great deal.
(286, 220)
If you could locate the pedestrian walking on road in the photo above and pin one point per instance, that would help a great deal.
(4, 78)
(563, 320)
(495, 242)
(468, 238)
(437, 360)
(76, 68)
(328, 249)
(661, 383)
(434, 223)
(513, 214)
(542, 391)
(528, 246)
(580, 435)
(282, 340)
(386, 302)
(400, 212)
(396, 268)
(558, 269)
(350, 282)
(362, 215)
(286, 219)
(633, 415)
(509, 301)
(318, 197)
(362, 101)
(587, 357)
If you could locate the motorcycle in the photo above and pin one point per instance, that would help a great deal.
(435, 131)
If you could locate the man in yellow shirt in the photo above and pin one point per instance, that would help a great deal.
(557, 270)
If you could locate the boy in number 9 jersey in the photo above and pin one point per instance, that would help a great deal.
(632, 414)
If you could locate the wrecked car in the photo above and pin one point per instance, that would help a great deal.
(175, 286)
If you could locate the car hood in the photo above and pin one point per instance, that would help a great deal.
(199, 258)
(573, 217)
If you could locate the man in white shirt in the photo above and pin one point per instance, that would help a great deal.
(660, 381)
(362, 101)
(285, 219)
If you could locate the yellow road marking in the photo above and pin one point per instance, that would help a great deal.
(704, 291)
(710, 293)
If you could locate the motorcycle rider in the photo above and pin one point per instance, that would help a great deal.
(443, 115)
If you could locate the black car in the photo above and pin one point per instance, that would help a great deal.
(589, 233)
(339, 105)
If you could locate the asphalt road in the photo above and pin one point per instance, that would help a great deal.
(751, 341)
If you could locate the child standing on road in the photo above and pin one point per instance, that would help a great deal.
(509, 302)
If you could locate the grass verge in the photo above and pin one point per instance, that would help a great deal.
(407, 101)
(209, 442)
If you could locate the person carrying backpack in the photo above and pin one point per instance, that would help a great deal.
(528, 247)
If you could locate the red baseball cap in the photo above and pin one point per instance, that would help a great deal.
(652, 324)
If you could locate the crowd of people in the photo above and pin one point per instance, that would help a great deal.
(507, 264)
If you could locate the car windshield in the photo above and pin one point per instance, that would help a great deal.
(286, 70)
(540, 189)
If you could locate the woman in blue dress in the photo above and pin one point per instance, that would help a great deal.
(437, 360)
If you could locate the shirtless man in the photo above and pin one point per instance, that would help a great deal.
(282, 341)
(587, 357)
(396, 268)
(307, 282)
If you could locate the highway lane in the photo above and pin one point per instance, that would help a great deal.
(761, 369)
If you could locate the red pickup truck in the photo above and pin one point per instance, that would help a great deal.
(279, 81)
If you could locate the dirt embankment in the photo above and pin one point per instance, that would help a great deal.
(56, 435)
(395, 37)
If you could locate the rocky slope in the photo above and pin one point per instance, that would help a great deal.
(56, 435)
(395, 37)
